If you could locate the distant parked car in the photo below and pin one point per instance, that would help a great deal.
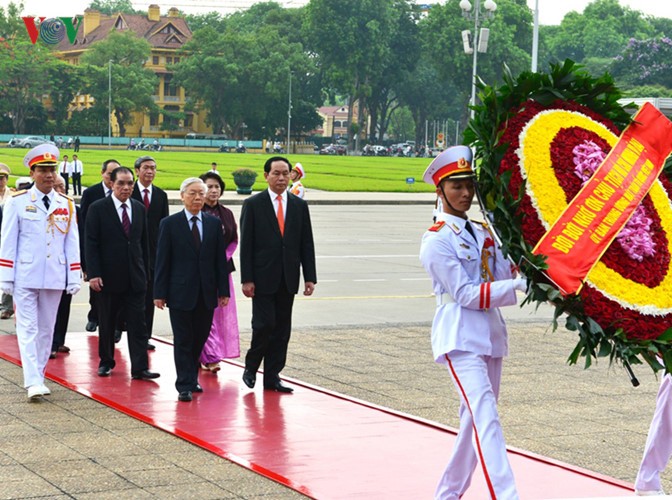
(334, 149)
(30, 142)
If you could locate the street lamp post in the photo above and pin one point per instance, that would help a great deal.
(479, 41)
(535, 37)
(289, 113)
(109, 104)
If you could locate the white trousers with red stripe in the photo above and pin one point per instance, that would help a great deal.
(480, 438)
(35, 319)
(658, 449)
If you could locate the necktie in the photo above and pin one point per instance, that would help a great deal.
(45, 199)
(145, 198)
(470, 229)
(281, 216)
(108, 192)
(195, 233)
(125, 221)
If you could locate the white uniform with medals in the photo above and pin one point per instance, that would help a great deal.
(39, 254)
(297, 189)
(469, 336)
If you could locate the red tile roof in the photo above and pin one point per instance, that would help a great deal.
(138, 24)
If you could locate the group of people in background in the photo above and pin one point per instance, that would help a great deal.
(71, 142)
(72, 170)
(135, 257)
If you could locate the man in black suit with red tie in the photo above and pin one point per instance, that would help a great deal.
(192, 279)
(117, 259)
(155, 201)
(89, 196)
(276, 240)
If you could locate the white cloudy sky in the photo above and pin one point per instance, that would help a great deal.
(550, 11)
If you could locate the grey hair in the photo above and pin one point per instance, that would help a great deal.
(188, 182)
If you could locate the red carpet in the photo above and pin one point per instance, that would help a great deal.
(322, 444)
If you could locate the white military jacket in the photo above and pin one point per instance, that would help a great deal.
(39, 248)
(468, 288)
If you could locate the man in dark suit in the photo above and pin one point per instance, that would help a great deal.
(90, 195)
(117, 259)
(192, 278)
(276, 240)
(155, 201)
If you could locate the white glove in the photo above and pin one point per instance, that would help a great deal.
(7, 287)
(520, 284)
(72, 289)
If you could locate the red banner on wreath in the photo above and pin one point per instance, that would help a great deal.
(591, 221)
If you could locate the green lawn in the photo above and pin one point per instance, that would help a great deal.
(329, 173)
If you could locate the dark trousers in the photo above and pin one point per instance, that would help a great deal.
(190, 332)
(62, 318)
(271, 329)
(109, 304)
(66, 178)
(149, 308)
(76, 183)
(93, 308)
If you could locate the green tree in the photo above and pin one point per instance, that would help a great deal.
(645, 62)
(23, 72)
(404, 49)
(11, 23)
(241, 77)
(24, 69)
(212, 20)
(121, 56)
(64, 82)
(352, 39)
(109, 7)
(509, 41)
(601, 31)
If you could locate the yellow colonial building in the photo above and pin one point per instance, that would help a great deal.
(166, 35)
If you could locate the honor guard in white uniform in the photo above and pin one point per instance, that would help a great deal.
(297, 174)
(471, 278)
(39, 258)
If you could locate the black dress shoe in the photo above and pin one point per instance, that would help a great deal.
(145, 375)
(249, 378)
(184, 396)
(197, 388)
(91, 326)
(52, 355)
(150, 347)
(104, 371)
(117, 336)
(278, 387)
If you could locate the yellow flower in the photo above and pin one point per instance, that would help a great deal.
(548, 198)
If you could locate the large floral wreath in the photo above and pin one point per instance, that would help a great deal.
(538, 139)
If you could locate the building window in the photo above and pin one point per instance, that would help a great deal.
(169, 60)
(176, 60)
(155, 60)
(153, 119)
(188, 120)
(171, 119)
(169, 89)
(168, 29)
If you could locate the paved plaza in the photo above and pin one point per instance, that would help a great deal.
(365, 334)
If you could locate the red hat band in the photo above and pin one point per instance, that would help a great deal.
(47, 158)
(457, 167)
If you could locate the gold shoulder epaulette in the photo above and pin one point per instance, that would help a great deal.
(66, 196)
(438, 226)
(479, 222)
(18, 193)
